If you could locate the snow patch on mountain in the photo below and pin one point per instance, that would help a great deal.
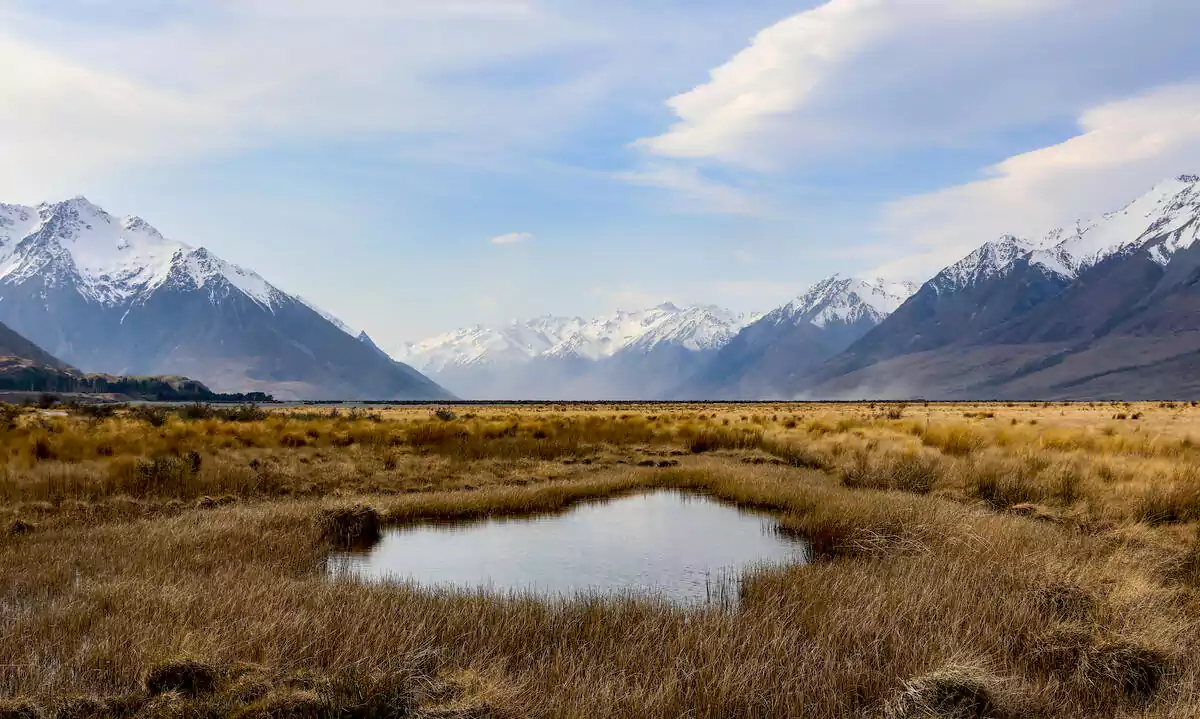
(113, 261)
(992, 259)
(847, 300)
(694, 328)
(1163, 221)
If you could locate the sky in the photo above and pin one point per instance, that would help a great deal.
(413, 167)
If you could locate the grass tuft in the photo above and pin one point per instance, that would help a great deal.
(351, 527)
(955, 692)
(20, 709)
(184, 676)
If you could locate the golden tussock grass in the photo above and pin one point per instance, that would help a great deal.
(965, 566)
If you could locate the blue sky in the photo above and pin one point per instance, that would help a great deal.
(364, 153)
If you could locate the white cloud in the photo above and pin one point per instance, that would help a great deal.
(1122, 150)
(857, 75)
(511, 238)
(60, 119)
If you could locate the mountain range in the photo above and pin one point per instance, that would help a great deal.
(1107, 309)
(624, 355)
(113, 295)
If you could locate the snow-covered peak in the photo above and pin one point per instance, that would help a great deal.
(515, 342)
(112, 261)
(1163, 216)
(846, 300)
(1163, 221)
(993, 259)
(694, 328)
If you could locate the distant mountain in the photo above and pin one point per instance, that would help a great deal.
(626, 355)
(759, 361)
(1109, 309)
(113, 295)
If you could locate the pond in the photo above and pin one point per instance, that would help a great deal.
(687, 548)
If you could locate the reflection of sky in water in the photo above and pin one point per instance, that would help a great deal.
(665, 542)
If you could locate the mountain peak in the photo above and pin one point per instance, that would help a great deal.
(696, 328)
(843, 299)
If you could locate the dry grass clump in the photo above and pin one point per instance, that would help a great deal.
(353, 526)
(957, 691)
(1134, 670)
(18, 527)
(185, 676)
(289, 703)
(20, 709)
(906, 471)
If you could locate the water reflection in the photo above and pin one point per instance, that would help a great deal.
(684, 547)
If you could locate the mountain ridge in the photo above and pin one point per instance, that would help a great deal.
(113, 295)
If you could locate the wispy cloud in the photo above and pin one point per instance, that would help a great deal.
(851, 76)
(1122, 149)
(511, 238)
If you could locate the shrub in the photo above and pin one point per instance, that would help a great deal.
(47, 400)
(9, 414)
(241, 413)
(165, 474)
(444, 414)
(98, 411)
(189, 677)
(152, 415)
(42, 451)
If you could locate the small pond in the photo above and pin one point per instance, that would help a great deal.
(687, 548)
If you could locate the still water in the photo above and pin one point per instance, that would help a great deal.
(684, 547)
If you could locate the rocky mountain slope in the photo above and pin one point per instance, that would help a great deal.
(796, 337)
(1108, 309)
(109, 294)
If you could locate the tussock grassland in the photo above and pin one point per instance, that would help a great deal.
(994, 560)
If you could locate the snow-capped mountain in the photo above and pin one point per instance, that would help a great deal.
(992, 259)
(815, 326)
(111, 260)
(1108, 308)
(845, 300)
(111, 294)
(1165, 217)
(698, 329)
(620, 355)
